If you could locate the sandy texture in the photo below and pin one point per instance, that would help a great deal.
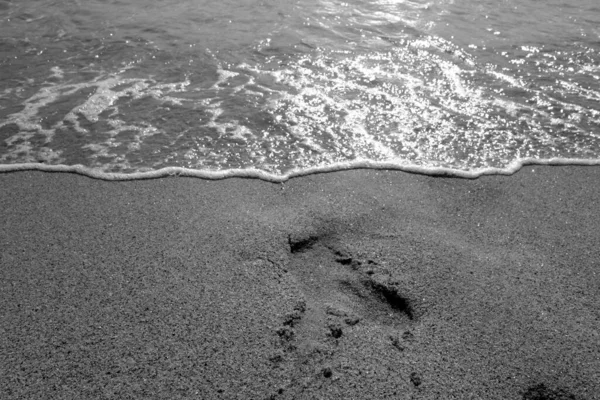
(351, 285)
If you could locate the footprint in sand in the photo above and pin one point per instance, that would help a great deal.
(340, 292)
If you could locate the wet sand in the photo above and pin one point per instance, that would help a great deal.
(350, 285)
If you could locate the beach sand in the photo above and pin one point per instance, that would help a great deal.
(360, 284)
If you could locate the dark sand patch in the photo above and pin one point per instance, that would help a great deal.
(357, 284)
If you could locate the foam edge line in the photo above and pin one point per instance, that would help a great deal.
(512, 168)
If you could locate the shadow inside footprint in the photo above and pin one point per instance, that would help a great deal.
(383, 301)
(542, 392)
(391, 296)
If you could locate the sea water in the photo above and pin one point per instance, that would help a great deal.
(275, 88)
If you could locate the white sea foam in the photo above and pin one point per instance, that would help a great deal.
(511, 169)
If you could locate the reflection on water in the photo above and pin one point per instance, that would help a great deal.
(281, 85)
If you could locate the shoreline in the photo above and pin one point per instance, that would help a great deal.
(252, 173)
(361, 283)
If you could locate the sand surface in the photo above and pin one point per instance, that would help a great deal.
(351, 285)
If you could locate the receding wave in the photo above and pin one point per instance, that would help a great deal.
(423, 104)
(316, 90)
